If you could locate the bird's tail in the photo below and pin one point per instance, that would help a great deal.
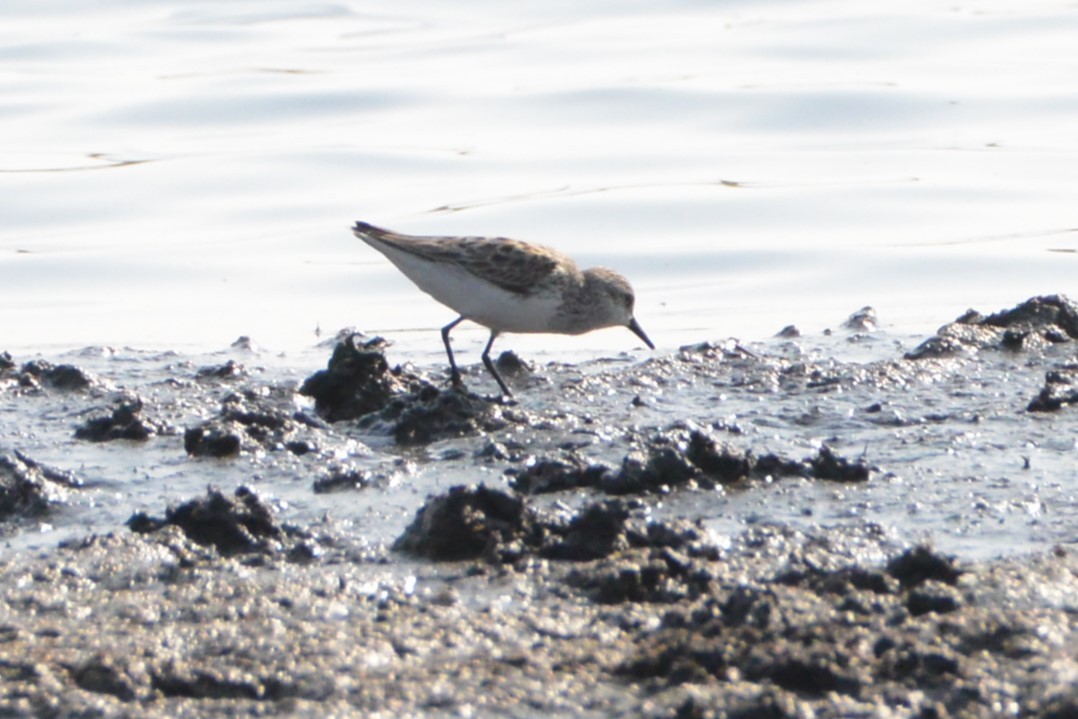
(364, 230)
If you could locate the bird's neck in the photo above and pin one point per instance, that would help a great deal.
(576, 314)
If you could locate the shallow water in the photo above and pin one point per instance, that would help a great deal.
(179, 174)
(176, 175)
(956, 459)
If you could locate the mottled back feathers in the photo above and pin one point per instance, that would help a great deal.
(513, 265)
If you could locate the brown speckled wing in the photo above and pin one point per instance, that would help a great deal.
(513, 265)
(510, 264)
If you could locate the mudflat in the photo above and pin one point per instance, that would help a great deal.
(727, 530)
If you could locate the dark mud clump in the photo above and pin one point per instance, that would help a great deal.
(1032, 325)
(638, 559)
(338, 479)
(610, 527)
(598, 530)
(28, 488)
(240, 524)
(696, 459)
(660, 470)
(212, 440)
(356, 382)
(921, 564)
(718, 460)
(1055, 316)
(497, 526)
(226, 371)
(23, 489)
(124, 421)
(829, 466)
(1060, 390)
(253, 418)
(38, 374)
(359, 384)
(468, 523)
(559, 474)
(863, 320)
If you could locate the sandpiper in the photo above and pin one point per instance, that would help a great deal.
(507, 286)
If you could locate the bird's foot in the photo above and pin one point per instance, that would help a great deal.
(456, 381)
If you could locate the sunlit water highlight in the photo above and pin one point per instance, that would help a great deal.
(178, 174)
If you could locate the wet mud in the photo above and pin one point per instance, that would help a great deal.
(359, 384)
(719, 532)
(27, 488)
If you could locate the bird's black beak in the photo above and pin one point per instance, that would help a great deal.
(639, 332)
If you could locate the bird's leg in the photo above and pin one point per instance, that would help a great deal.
(490, 365)
(454, 373)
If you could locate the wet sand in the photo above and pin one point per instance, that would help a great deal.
(729, 530)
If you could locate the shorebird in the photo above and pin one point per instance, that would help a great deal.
(507, 286)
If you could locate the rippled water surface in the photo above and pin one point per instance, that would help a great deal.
(179, 173)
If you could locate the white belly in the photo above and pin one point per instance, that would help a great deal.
(479, 301)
